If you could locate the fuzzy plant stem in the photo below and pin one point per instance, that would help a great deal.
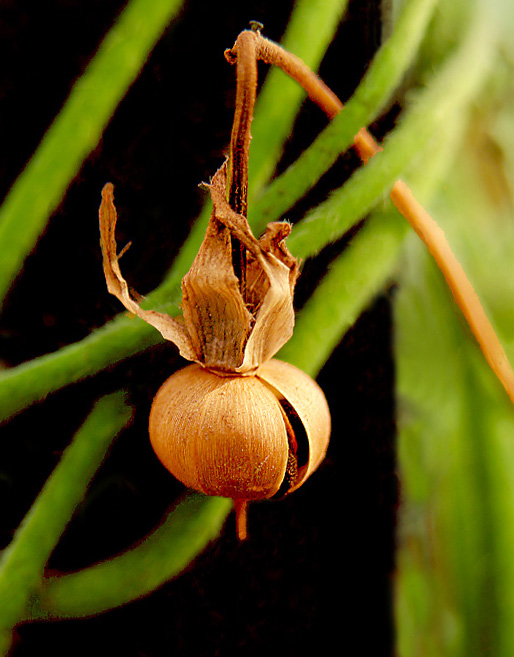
(382, 77)
(22, 563)
(77, 129)
(163, 554)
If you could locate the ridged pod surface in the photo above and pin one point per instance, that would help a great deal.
(244, 437)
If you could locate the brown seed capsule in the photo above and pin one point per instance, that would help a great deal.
(236, 423)
(242, 437)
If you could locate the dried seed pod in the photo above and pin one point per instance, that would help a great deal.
(237, 423)
(246, 438)
(224, 328)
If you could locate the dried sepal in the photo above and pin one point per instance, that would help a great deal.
(215, 315)
(225, 328)
(170, 328)
(253, 323)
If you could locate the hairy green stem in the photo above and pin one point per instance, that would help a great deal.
(77, 129)
(463, 74)
(23, 562)
(369, 263)
(375, 89)
(162, 555)
(349, 286)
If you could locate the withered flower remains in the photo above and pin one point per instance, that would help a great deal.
(237, 423)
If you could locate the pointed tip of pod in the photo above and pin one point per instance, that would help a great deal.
(241, 510)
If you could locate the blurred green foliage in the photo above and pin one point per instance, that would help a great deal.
(456, 424)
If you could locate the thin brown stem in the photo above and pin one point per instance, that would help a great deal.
(462, 290)
(244, 55)
(318, 92)
(404, 200)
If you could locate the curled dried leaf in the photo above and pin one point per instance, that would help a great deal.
(259, 319)
(170, 328)
(228, 327)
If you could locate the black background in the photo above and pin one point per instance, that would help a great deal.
(316, 572)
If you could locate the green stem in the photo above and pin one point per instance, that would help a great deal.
(77, 129)
(375, 89)
(22, 563)
(367, 264)
(463, 73)
(135, 573)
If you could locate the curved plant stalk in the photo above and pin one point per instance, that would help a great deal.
(123, 337)
(374, 91)
(280, 98)
(77, 130)
(370, 261)
(464, 72)
(137, 572)
(22, 563)
(462, 290)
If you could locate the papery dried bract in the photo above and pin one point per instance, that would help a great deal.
(225, 328)
(215, 314)
(169, 328)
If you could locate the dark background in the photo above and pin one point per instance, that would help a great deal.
(316, 572)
